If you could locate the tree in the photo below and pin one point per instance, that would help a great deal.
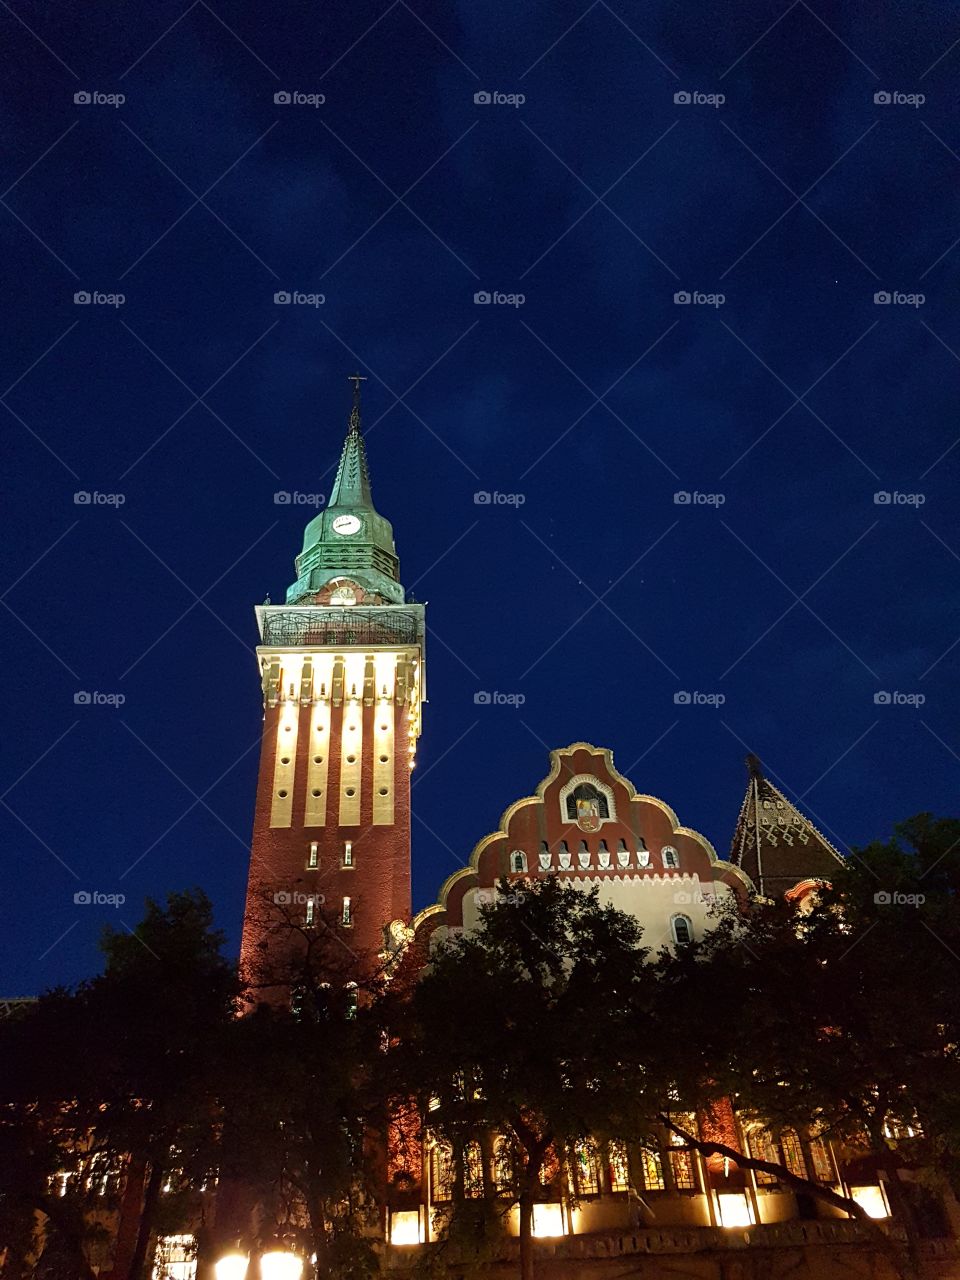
(526, 1027)
(120, 1074)
(300, 1116)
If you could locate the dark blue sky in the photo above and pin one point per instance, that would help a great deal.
(598, 399)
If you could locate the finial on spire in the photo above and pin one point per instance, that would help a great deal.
(356, 379)
(754, 767)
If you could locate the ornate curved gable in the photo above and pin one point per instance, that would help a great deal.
(587, 823)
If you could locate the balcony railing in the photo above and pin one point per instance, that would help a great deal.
(296, 628)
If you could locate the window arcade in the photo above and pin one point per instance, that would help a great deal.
(588, 792)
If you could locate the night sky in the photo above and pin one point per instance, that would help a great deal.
(598, 597)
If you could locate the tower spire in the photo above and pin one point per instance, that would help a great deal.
(356, 379)
(351, 488)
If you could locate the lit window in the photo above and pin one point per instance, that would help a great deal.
(308, 918)
(348, 853)
(793, 1153)
(820, 1158)
(313, 858)
(586, 1167)
(762, 1147)
(682, 929)
(472, 1171)
(504, 1167)
(441, 1158)
(619, 1166)
(652, 1167)
(684, 1170)
(670, 856)
(353, 999)
(346, 915)
(176, 1258)
(518, 862)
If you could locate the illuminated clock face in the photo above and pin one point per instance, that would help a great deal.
(345, 525)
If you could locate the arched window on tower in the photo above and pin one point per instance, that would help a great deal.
(473, 1171)
(518, 862)
(584, 791)
(682, 929)
(670, 856)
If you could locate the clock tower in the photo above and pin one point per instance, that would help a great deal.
(341, 666)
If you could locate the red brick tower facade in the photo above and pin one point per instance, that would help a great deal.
(342, 672)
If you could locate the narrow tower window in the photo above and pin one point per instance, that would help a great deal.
(313, 858)
(347, 915)
(348, 853)
(308, 918)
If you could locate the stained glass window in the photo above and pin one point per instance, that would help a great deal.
(652, 1168)
(586, 1166)
(793, 1153)
(762, 1147)
(822, 1163)
(504, 1169)
(473, 1171)
(442, 1172)
(619, 1166)
(684, 1170)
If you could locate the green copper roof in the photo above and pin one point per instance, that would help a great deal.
(349, 538)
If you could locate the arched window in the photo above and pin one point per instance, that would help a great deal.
(587, 793)
(586, 1167)
(619, 1166)
(822, 1163)
(441, 1171)
(793, 1153)
(671, 859)
(518, 862)
(652, 1167)
(682, 929)
(504, 1167)
(473, 1171)
(762, 1147)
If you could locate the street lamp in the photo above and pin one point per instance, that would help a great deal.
(278, 1264)
(232, 1266)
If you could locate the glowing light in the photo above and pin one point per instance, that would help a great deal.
(405, 1227)
(734, 1209)
(232, 1266)
(548, 1220)
(872, 1200)
(279, 1264)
